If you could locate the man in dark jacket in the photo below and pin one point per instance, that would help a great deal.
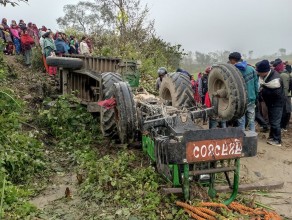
(271, 88)
(203, 84)
(251, 82)
(279, 66)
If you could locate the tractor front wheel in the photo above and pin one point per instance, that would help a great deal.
(227, 86)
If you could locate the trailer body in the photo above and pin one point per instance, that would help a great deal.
(86, 81)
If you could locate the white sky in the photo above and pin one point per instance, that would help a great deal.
(199, 25)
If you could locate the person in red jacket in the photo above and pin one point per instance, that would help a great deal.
(27, 42)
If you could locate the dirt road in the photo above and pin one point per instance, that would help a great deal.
(272, 164)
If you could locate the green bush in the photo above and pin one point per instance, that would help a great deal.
(3, 65)
(37, 59)
(21, 158)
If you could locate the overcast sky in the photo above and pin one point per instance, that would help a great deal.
(199, 25)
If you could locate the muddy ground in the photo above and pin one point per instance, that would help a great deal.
(270, 164)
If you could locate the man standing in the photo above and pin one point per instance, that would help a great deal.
(273, 95)
(251, 81)
(279, 66)
(161, 73)
(203, 84)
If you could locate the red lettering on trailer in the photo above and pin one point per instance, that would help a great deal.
(210, 150)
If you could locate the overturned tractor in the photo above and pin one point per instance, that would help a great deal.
(167, 127)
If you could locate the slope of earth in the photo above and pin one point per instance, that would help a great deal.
(272, 164)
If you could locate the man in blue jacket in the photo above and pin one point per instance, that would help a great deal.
(251, 80)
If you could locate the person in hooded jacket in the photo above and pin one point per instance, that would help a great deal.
(251, 81)
(271, 89)
(279, 66)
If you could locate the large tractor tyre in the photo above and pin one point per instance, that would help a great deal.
(107, 116)
(226, 82)
(177, 88)
(65, 62)
(125, 112)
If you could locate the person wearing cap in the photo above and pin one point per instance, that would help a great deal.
(271, 88)
(251, 80)
(203, 84)
(161, 73)
(279, 66)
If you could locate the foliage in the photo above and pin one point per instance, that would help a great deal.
(82, 17)
(3, 65)
(13, 3)
(198, 61)
(68, 121)
(37, 59)
(282, 51)
(21, 157)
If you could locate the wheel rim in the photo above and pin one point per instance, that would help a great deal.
(223, 102)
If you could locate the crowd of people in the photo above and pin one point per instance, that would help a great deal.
(21, 38)
(269, 86)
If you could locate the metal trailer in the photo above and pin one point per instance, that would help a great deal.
(84, 74)
(167, 127)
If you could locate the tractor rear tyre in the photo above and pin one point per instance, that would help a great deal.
(226, 82)
(65, 62)
(107, 116)
(177, 88)
(125, 112)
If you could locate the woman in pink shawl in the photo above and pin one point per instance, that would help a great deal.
(36, 33)
(14, 30)
(31, 32)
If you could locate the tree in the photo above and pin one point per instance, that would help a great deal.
(13, 3)
(203, 59)
(188, 61)
(129, 20)
(250, 53)
(282, 51)
(84, 16)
